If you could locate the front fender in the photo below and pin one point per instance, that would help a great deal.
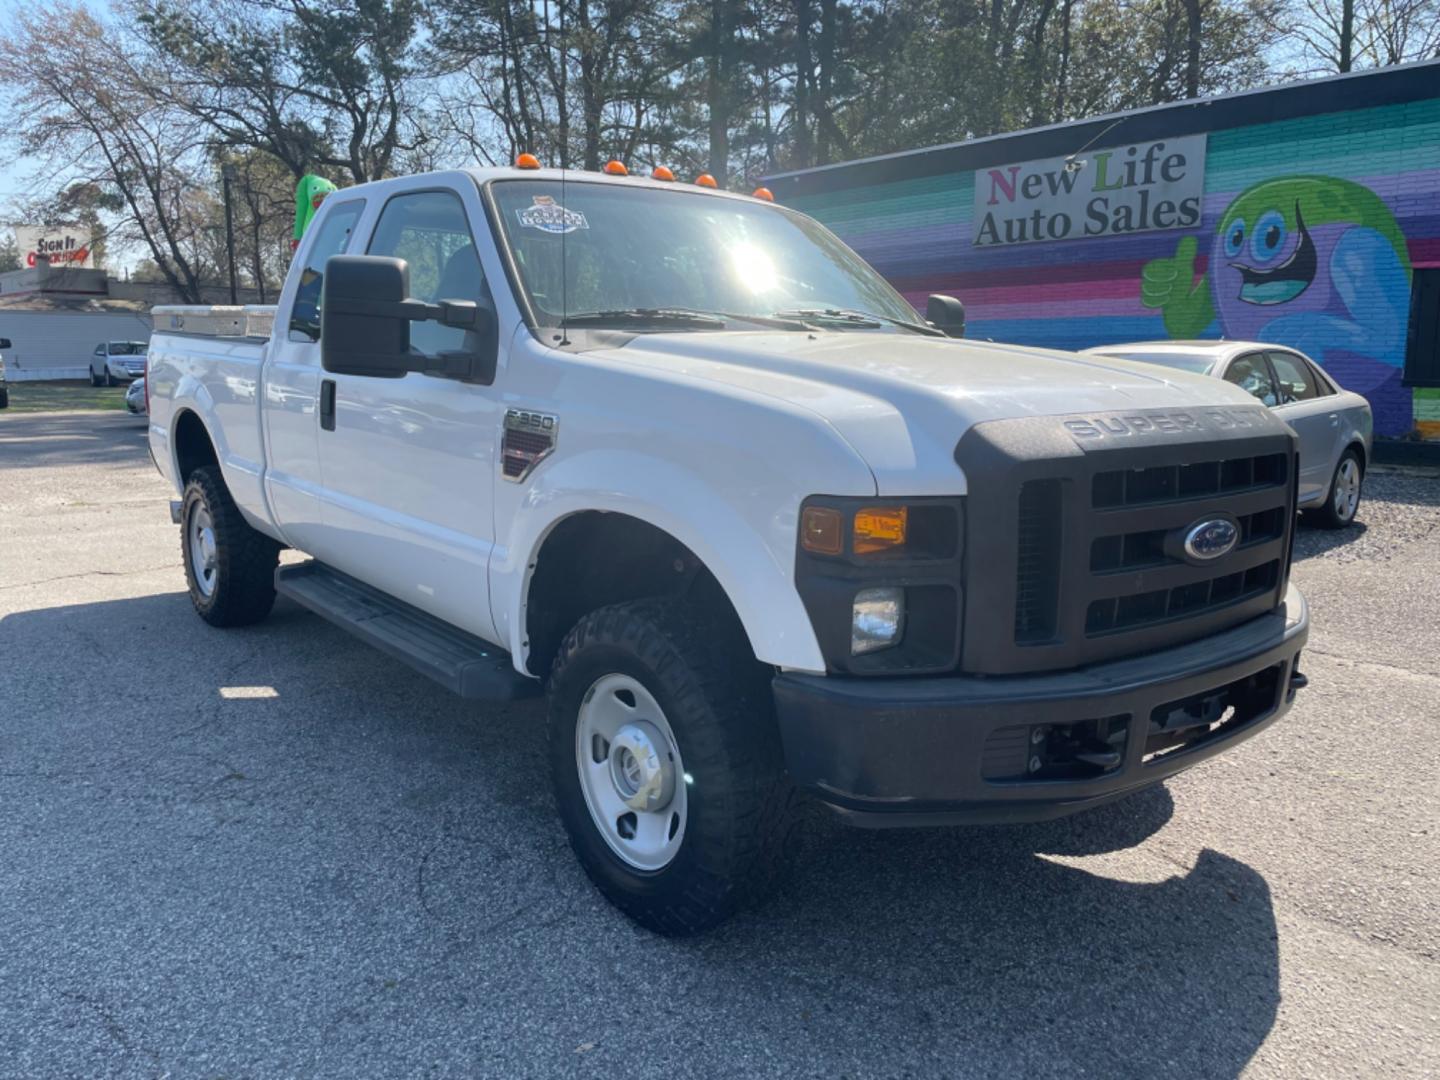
(745, 537)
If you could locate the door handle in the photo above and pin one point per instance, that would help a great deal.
(1334, 419)
(327, 404)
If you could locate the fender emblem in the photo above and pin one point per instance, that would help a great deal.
(529, 437)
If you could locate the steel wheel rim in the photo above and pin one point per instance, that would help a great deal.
(202, 551)
(630, 772)
(1347, 489)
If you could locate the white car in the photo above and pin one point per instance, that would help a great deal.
(683, 462)
(1336, 426)
(114, 362)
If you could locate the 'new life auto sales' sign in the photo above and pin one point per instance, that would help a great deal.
(1108, 192)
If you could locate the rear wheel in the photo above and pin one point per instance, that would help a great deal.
(666, 764)
(1343, 499)
(229, 567)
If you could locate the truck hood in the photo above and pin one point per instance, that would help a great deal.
(903, 401)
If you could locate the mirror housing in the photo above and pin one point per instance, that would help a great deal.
(365, 316)
(946, 314)
(362, 328)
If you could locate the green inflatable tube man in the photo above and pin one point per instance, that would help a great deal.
(309, 194)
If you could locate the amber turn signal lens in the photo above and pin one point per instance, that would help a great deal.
(764, 193)
(616, 168)
(821, 532)
(527, 161)
(705, 180)
(662, 173)
(879, 529)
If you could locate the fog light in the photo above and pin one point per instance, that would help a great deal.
(878, 620)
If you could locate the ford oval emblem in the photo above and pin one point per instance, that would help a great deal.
(1208, 540)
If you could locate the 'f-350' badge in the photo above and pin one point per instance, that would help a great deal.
(529, 437)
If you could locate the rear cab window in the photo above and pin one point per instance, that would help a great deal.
(332, 238)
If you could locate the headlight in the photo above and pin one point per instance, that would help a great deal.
(877, 620)
(881, 580)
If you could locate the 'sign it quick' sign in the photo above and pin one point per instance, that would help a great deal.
(1125, 189)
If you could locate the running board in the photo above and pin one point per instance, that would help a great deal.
(458, 661)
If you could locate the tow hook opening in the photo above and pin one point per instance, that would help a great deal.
(1182, 725)
(1078, 751)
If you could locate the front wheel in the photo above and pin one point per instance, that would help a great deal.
(1343, 499)
(666, 765)
(229, 567)
(96, 380)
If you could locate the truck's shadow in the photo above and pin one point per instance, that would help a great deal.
(431, 849)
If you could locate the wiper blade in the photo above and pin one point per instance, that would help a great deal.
(856, 318)
(629, 316)
(695, 317)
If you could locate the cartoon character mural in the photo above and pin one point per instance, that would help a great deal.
(1312, 262)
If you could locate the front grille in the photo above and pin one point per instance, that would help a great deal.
(1164, 483)
(1137, 550)
(1160, 605)
(1096, 568)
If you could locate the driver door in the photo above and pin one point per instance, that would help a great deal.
(409, 464)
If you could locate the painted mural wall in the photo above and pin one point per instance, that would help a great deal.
(1308, 234)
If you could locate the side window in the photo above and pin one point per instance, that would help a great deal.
(1252, 375)
(1293, 377)
(100, 350)
(332, 239)
(429, 230)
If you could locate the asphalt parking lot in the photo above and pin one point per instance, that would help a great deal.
(273, 852)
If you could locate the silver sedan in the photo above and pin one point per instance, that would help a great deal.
(1335, 426)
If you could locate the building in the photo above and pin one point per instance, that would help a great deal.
(1306, 214)
(54, 316)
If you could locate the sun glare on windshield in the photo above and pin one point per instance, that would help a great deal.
(753, 268)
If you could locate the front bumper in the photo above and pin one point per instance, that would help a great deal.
(1030, 747)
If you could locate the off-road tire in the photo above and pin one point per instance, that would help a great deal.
(1326, 516)
(244, 590)
(742, 812)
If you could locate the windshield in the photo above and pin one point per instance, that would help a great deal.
(127, 348)
(639, 249)
(1196, 362)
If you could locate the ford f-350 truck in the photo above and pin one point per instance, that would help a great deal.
(680, 460)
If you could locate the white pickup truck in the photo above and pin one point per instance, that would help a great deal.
(682, 461)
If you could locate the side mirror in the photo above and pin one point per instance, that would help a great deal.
(364, 328)
(365, 316)
(947, 314)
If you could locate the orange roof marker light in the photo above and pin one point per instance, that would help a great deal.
(706, 180)
(616, 168)
(660, 172)
(764, 193)
(527, 161)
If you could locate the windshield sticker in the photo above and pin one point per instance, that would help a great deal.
(548, 216)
